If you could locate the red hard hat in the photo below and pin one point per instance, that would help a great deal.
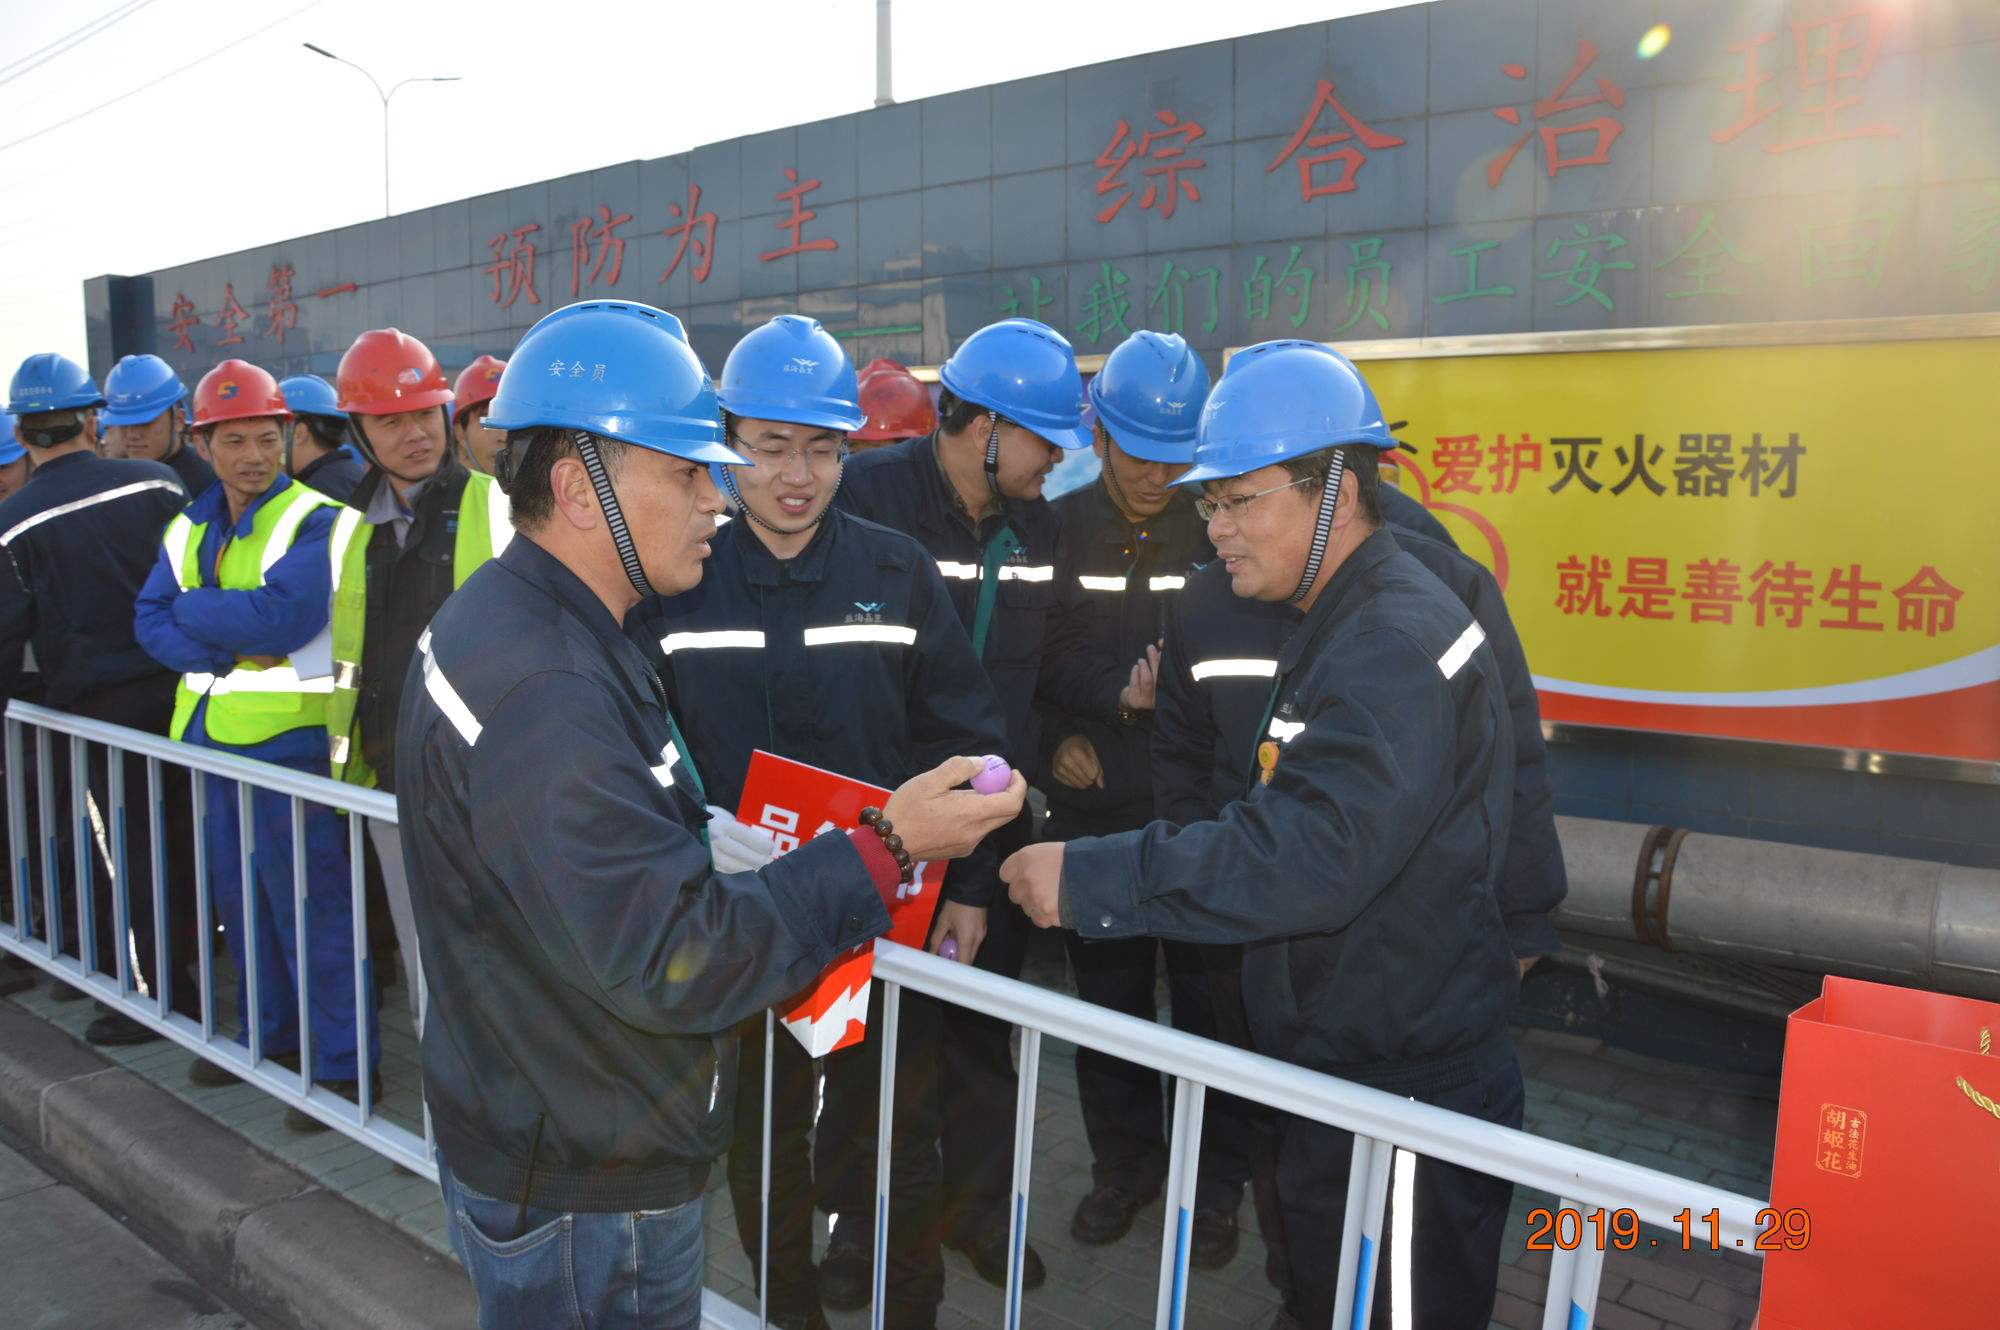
(387, 372)
(896, 404)
(478, 382)
(237, 390)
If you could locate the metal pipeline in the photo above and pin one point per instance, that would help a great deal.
(1871, 916)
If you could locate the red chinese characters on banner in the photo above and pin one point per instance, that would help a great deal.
(513, 270)
(229, 316)
(696, 231)
(795, 222)
(337, 289)
(1821, 51)
(1351, 158)
(1166, 179)
(1778, 595)
(181, 318)
(1605, 128)
(281, 315)
(609, 246)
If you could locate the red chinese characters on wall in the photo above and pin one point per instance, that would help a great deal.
(229, 316)
(513, 270)
(696, 231)
(1350, 158)
(281, 314)
(181, 318)
(1167, 174)
(795, 221)
(1604, 129)
(598, 235)
(1830, 58)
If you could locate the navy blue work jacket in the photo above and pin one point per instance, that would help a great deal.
(846, 657)
(586, 962)
(1362, 875)
(76, 543)
(1013, 551)
(1114, 589)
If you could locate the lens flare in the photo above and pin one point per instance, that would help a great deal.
(1655, 41)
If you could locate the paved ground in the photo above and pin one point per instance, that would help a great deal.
(52, 1236)
(1704, 1126)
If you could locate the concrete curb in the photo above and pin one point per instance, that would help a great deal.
(289, 1248)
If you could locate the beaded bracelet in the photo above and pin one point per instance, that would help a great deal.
(872, 819)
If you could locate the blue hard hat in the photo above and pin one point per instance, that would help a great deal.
(1149, 396)
(51, 382)
(1280, 400)
(138, 389)
(1025, 371)
(618, 369)
(792, 370)
(310, 395)
(11, 450)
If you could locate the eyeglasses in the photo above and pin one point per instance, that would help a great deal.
(1234, 504)
(820, 457)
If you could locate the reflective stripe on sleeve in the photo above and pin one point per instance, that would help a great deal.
(447, 698)
(87, 501)
(1452, 661)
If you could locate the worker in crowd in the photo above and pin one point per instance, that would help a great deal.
(895, 406)
(970, 493)
(429, 524)
(555, 822)
(1385, 767)
(1222, 652)
(1129, 540)
(77, 542)
(315, 450)
(143, 417)
(829, 640)
(473, 442)
(14, 470)
(237, 602)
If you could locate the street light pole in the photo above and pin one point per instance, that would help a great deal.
(385, 96)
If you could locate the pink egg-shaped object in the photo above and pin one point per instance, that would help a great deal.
(994, 777)
(948, 949)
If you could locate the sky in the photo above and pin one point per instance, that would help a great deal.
(267, 140)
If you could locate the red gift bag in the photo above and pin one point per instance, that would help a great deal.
(1889, 1145)
(795, 802)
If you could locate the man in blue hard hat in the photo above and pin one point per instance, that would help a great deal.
(14, 469)
(143, 417)
(1215, 674)
(1129, 541)
(1011, 406)
(1385, 767)
(560, 852)
(75, 547)
(316, 451)
(825, 639)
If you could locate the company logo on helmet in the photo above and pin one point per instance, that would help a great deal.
(409, 377)
(227, 390)
(492, 374)
(1174, 408)
(800, 365)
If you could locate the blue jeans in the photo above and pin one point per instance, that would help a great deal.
(624, 1270)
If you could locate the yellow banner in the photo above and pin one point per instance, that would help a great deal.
(1792, 543)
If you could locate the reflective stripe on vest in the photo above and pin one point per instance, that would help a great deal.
(250, 705)
(485, 526)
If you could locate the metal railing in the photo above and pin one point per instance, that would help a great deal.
(99, 835)
(1382, 1123)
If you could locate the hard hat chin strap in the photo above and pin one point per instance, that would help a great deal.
(1329, 498)
(993, 455)
(614, 516)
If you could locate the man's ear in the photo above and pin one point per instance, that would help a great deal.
(575, 497)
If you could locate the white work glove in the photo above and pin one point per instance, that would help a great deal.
(736, 847)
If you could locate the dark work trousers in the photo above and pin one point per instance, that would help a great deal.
(1232, 1026)
(1126, 1107)
(978, 1081)
(794, 1081)
(146, 704)
(844, 1152)
(1457, 1225)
